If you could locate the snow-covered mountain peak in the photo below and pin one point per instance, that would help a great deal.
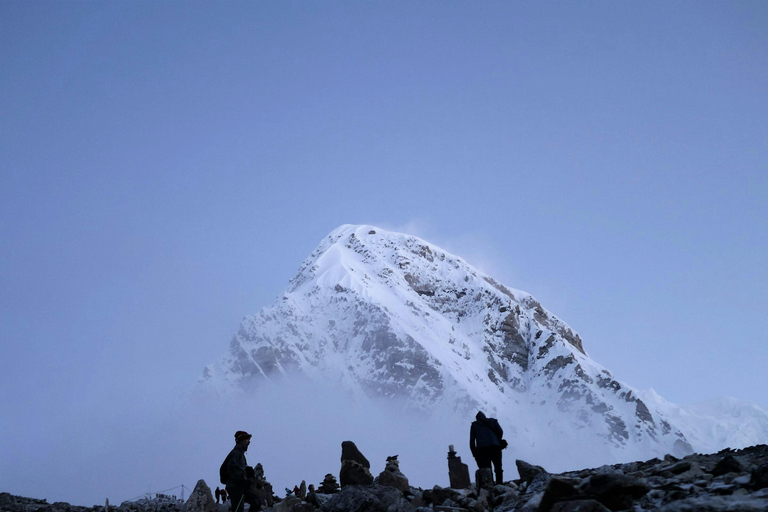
(352, 252)
(389, 315)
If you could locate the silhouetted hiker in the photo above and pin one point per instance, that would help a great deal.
(233, 473)
(486, 443)
(217, 494)
(223, 495)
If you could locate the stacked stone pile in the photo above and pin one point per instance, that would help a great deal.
(328, 485)
(260, 486)
(458, 472)
(728, 481)
(392, 476)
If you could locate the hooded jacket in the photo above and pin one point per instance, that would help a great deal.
(484, 432)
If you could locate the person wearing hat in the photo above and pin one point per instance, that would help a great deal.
(234, 472)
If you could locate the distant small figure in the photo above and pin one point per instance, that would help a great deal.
(312, 496)
(217, 493)
(223, 495)
(486, 443)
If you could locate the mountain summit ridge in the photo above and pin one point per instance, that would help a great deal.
(389, 315)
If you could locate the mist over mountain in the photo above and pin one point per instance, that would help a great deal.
(388, 318)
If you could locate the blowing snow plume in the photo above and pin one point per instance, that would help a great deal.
(389, 317)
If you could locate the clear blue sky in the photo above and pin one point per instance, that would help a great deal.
(165, 167)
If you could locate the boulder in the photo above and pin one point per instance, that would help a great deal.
(318, 500)
(394, 479)
(759, 477)
(355, 468)
(557, 490)
(579, 506)
(294, 504)
(483, 479)
(693, 474)
(677, 468)
(439, 495)
(349, 451)
(201, 499)
(483, 501)
(372, 498)
(538, 484)
(616, 491)
(354, 473)
(728, 464)
(528, 471)
(507, 501)
(531, 504)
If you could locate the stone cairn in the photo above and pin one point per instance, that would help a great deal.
(458, 472)
(260, 486)
(329, 485)
(392, 476)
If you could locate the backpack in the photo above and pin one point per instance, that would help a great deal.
(223, 473)
(493, 425)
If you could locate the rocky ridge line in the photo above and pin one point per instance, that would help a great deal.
(730, 480)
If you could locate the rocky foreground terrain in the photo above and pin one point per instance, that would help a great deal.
(730, 480)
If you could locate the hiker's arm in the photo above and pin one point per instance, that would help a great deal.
(236, 470)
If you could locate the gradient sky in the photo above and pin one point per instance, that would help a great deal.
(165, 167)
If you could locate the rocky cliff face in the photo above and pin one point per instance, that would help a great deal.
(389, 315)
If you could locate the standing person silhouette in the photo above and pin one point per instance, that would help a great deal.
(233, 471)
(485, 442)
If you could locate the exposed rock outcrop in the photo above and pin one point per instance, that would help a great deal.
(201, 499)
(355, 468)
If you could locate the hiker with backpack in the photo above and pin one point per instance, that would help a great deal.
(233, 474)
(486, 443)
